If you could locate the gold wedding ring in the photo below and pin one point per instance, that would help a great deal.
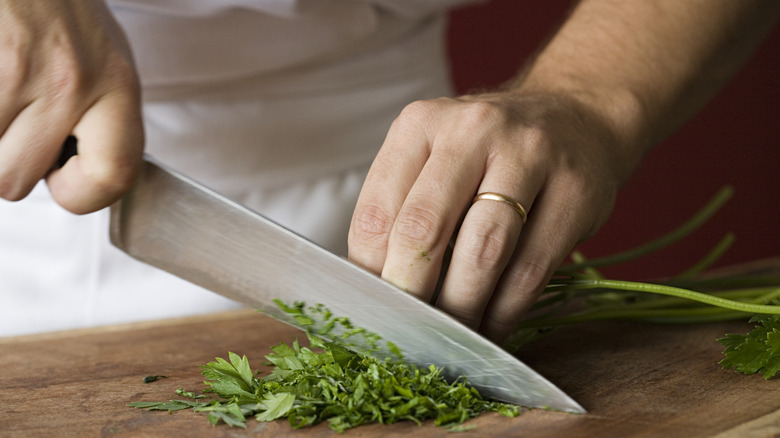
(491, 196)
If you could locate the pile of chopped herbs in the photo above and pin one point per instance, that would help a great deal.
(331, 382)
(579, 293)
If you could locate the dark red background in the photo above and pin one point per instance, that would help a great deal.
(733, 141)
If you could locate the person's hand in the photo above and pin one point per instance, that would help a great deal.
(66, 68)
(559, 160)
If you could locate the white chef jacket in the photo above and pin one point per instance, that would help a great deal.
(280, 105)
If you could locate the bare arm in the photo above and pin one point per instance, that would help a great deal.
(650, 65)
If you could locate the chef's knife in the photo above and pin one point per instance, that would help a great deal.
(175, 224)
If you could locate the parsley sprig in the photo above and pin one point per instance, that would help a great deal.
(579, 293)
(755, 352)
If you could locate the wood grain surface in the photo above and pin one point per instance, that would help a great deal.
(636, 380)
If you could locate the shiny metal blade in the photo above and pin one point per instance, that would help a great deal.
(172, 223)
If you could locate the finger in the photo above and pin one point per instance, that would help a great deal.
(11, 102)
(486, 241)
(30, 145)
(427, 220)
(111, 142)
(558, 223)
(393, 173)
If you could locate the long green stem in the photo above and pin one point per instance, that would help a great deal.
(567, 294)
(727, 282)
(754, 295)
(710, 258)
(661, 310)
(590, 272)
(656, 315)
(697, 220)
(676, 292)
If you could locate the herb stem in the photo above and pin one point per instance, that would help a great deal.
(589, 271)
(704, 314)
(676, 292)
(710, 258)
(754, 295)
(697, 220)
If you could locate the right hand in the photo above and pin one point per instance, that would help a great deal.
(66, 68)
(556, 155)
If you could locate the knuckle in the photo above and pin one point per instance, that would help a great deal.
(418, 227)
(416, 114)
(64, 75)
(14, 71)
(482, 114)
(67, 76)
(370, 224)
(486, 247)
(532, 272)
(416, 109)
(538, 146)
(15, 49)
(122, 74)
(111, 179)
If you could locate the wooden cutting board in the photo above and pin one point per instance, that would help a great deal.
(634, 379)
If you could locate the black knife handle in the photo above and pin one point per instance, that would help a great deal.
(69, 149)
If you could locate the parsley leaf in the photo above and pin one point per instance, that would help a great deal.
(757, 351)
(276, 405)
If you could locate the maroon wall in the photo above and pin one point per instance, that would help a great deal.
(735, 140)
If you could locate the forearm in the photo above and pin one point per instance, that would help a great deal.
(648, 66)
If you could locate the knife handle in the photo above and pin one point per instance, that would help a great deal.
(69, 149)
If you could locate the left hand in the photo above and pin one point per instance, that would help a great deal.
(548, 151)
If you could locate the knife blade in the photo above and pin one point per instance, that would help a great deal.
(175, 224)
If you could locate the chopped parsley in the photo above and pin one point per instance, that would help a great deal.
(150, 379)
(331, 382)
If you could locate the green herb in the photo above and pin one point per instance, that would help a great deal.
(173, 405)
(333, 383)
(319, 321)
(150, 379)
(756, 352)
(579, 293)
